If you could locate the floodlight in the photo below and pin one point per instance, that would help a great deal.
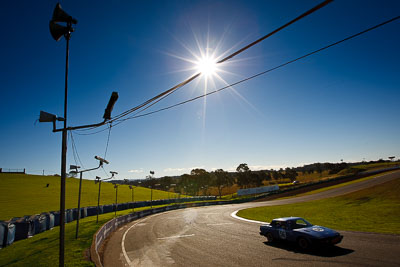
(74, 167)
(110, 106)
(101, 160)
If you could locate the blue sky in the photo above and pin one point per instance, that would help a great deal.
(342, 103)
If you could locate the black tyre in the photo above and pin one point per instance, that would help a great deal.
(303, 243)
(270, 237)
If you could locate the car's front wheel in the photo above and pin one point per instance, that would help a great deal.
(270, 237)
(303, 243)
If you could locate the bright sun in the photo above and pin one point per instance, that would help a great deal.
(207, 65)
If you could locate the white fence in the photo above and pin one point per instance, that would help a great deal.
(257, 190)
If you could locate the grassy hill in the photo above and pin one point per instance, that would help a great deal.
(24, 194)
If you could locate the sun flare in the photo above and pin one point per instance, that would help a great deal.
(207, 66)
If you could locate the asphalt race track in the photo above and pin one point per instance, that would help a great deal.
(210, 236)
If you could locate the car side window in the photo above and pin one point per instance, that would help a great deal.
(300, 224)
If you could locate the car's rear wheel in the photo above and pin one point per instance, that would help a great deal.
(303, 243)
(270, 237)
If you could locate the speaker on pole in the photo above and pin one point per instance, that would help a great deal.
(57, 30)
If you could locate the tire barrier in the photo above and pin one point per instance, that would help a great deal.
(49, 220)
(7, 233)
(92, 211)
(29, 225)
(22, 227)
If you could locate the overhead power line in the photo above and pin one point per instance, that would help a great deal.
(264, 72)
(173, 89)
(255, 75)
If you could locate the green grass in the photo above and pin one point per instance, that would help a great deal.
(23, 194)
(374, 209)
(43, 249)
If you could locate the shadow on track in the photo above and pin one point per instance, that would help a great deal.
(329, 252)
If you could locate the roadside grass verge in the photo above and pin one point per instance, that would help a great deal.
(374, 209)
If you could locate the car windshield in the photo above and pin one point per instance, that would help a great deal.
(300, 223)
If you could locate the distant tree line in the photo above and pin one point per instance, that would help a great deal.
(199, 181)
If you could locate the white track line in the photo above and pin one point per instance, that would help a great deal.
(123, 237)
(218, 224)
(233, 214)
(176, 236)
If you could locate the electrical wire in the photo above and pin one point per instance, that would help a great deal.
(256, 75)
(173, 89)
(264, 72)
(75, 151)
(108, 140)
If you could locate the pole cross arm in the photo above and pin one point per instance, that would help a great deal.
(106, 116)
(79, 127)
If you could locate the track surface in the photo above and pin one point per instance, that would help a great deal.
(210, 236)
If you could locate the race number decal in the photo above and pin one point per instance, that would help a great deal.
(282, 233)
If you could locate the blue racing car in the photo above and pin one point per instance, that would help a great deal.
(296, 229)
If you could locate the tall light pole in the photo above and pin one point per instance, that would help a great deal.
(75, 170)
(99, 180)
(57, 31)
(116, 198)
(132, 188)
(151, 188)
(174, 185)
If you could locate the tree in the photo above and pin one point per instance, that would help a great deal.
(256, 179)
(222, 179)
(291, 174)
(243, 176)
(318, 167)
(200, 179)
(276, 175)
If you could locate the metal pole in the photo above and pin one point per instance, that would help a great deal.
(98, 203)
(151, 196)
(133, 200)
(116, 200)
(79, 206)
(64, 157)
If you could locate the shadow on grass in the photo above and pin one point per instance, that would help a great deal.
(328, 252)
(40, 240)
